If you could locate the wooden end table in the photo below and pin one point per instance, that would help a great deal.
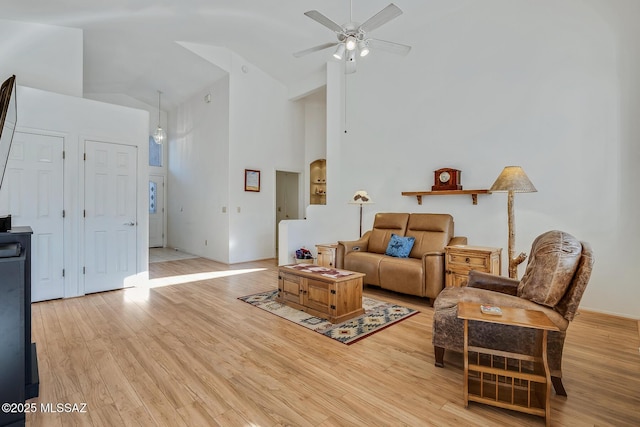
(327, 254)
(505, 379)
(460, 259)
(330, 293)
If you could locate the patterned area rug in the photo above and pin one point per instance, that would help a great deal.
(377, 316)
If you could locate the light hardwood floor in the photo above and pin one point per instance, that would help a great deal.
(189, 353)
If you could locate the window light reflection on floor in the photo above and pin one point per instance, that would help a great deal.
(140, 293)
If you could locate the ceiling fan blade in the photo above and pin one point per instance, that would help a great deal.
(314, 49)
(382, 17)
(318, 17)
(397, 48)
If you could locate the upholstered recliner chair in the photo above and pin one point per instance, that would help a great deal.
(557, 274)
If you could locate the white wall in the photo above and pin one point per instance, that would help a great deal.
(261, 136)
(315, 133)
(336, 220)
(128, 101)
(550, 86)
(198, 187)
(48, 63)
(76, 120)
(42, 56)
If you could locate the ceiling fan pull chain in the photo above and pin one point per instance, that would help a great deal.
(345, 99)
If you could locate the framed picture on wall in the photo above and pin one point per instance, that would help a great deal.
(251, 180)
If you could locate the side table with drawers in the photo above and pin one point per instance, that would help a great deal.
(460, 259)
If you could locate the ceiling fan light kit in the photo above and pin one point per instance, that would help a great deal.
(363, 47)
(350, 43)
(353, 38)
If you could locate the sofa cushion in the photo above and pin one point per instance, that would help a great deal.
(431, 231)
(399, 247)
(404, 275)
(365, 262)
(384, 225)
(553, 262)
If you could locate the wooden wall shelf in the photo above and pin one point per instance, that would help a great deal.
(419, 194)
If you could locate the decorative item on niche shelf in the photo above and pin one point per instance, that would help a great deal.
(446, 179)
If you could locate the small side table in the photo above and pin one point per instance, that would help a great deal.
(460, 259)
(327, 254)
(504, 379)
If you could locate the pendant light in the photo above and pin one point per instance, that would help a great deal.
(159, 136)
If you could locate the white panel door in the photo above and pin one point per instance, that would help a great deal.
(110, 215)
(32, 192)
(156, 211)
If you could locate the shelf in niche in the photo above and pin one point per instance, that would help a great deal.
(318, 182)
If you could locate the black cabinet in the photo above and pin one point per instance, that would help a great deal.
(18, 359)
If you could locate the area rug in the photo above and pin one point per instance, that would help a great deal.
(378, 315)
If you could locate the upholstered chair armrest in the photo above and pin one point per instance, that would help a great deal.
(491, 282)
(433, 265)
(458, 240)
(360, 245)
(432, 254)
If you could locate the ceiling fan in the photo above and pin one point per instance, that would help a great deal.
(353, 38)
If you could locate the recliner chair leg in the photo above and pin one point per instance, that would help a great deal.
(439, 353)
(557, 386)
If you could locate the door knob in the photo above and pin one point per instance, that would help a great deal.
(130, 223)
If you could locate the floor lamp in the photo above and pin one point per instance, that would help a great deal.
(513, 180)
(361, 198)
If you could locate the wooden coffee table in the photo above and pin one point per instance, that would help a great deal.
(330, 293)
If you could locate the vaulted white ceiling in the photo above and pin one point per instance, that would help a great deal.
(130, 46)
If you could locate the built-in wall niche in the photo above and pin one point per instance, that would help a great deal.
(318, 182)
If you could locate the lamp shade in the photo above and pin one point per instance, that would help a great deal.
(361, 198)
(513, 178)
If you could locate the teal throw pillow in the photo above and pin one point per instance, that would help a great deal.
(400, 247)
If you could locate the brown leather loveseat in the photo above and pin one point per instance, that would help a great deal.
(422, 272)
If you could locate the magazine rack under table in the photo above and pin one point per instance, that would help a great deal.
(505, 379)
